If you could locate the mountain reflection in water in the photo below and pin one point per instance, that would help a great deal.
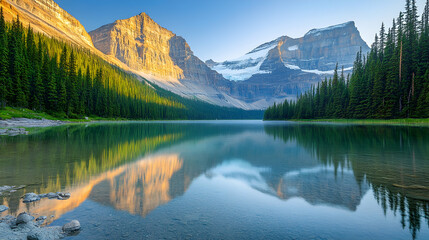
(138, 167)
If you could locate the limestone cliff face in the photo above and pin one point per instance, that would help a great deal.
(47, 17)
(322, 48)
(140, 43)
(145, 46)
(193, 68)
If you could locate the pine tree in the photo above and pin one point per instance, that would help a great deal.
(87, 91)
(4, 64)
(17, 88)
(62, 79)
(337, 95)
(71, 82)
(39, 91)
(48, 78)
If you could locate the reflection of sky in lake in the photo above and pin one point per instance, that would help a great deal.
(236, 181)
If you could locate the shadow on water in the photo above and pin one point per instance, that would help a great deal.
(137, 167)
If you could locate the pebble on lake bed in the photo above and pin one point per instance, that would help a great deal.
(31, 197)
(72, 226)
(13, 131)
(24, 218)
(3, 208)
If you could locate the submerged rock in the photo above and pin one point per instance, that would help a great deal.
(23, 227)
(8, 219)
(31, 197)
(72, 226)
(52, 195)
(5, 188)
(13, 131)
(24, 218)
(64, 195)
(41, 218)
(3, 208)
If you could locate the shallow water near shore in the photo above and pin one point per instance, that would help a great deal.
(224, 179)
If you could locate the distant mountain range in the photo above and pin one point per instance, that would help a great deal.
(270, 73)
(317, 52)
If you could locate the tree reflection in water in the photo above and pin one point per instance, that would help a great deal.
(393, 160)
(138, 167)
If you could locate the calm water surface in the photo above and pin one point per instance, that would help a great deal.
(225, 180)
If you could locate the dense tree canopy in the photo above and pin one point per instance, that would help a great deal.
(392, 81)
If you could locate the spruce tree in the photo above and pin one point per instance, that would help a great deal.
(62, 79)
(4, 75)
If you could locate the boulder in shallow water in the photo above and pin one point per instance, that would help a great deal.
(34, 236)
(43, 195)
(31, 197)
(24, 218)
(48, 233)
(3, 208)
(5, 188)
(63, 196)
(52, 195)
(72, 226)
(41, 218)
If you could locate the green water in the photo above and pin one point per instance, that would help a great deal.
(225, 179)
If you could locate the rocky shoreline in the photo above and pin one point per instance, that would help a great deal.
(16, 126)
(25, 226)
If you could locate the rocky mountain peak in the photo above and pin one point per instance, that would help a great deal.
(317, 52)
(140, 43)
(47, 17)
(145, 46)
(338, 27)
(210, 63)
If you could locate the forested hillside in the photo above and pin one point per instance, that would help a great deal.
(392, 81)
(66, 81)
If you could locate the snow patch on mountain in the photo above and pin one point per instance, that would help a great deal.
(239, 74)
(315, 71)
(330, 72)
(318, 31)
(244, 67)
(293, 67)
(293, 48)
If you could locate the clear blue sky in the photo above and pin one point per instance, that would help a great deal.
(225, 29)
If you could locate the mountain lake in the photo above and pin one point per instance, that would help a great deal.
(224, 179)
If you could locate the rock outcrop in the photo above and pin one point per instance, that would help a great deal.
(145, 46)
(163, 58)
(140, 43)
(47, 17)
(322, 49)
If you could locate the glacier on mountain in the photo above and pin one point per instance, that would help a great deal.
(244, 67)
(317, 31)
(315, 71)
